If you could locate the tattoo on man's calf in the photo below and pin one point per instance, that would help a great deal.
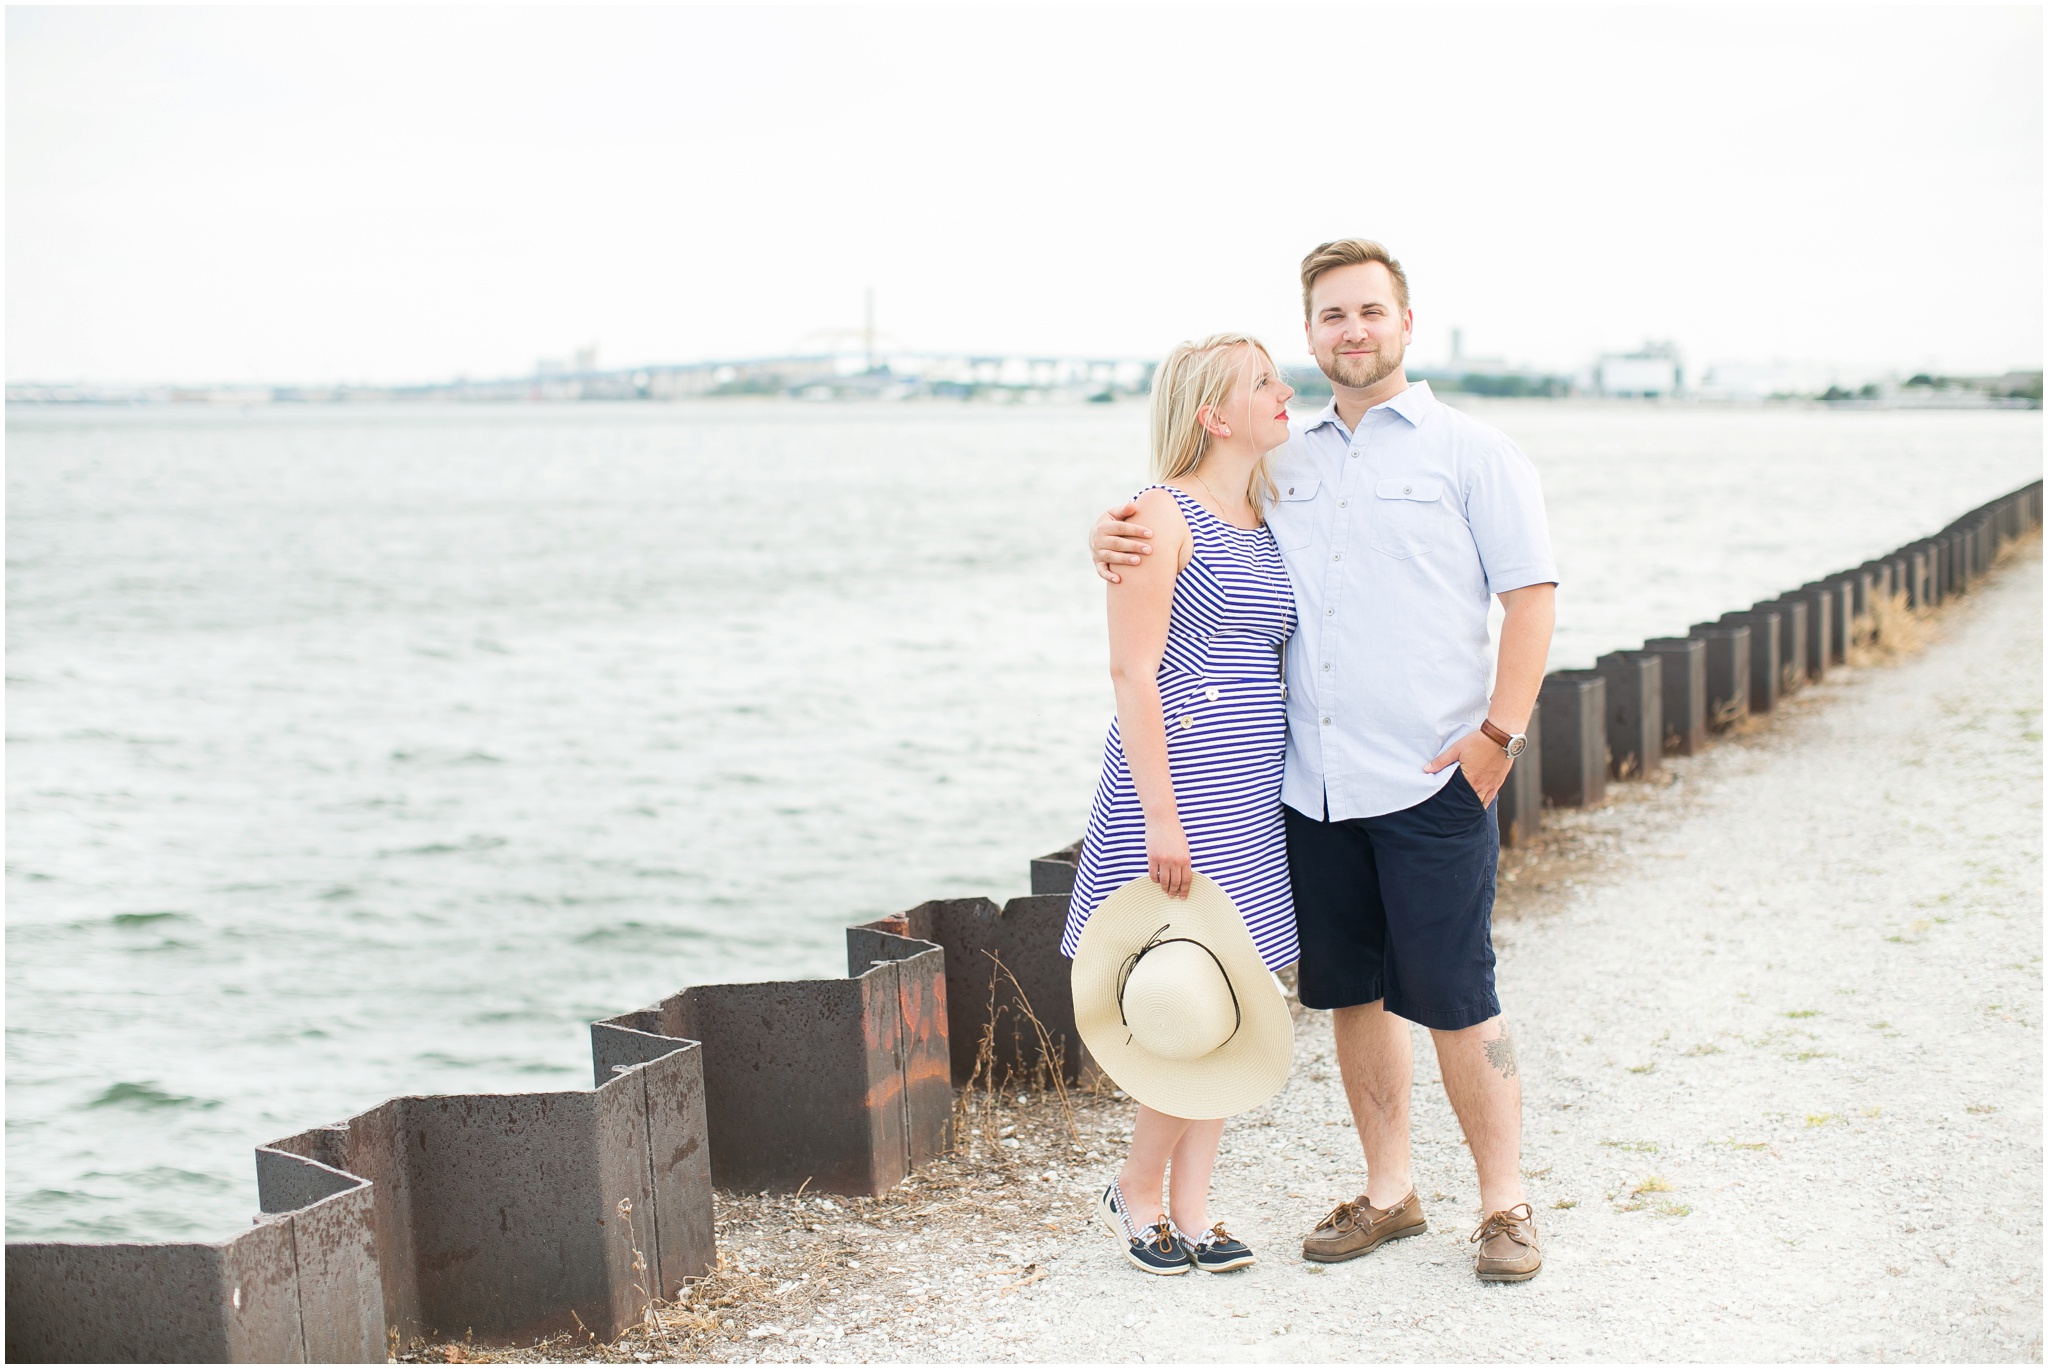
(1500, 1053)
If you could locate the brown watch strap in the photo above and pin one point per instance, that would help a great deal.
(1494, 734)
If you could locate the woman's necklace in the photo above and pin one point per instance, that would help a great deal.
(1213, 497)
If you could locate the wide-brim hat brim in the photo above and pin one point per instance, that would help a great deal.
(1237, 1076)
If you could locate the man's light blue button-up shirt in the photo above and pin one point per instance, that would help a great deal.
(1396, 537)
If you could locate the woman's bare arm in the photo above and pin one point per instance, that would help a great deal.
(1140, 607)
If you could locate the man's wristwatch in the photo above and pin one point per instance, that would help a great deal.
(1512, 744)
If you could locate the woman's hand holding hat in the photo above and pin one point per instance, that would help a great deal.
(1167, 858)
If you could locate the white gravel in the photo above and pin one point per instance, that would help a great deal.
(1782, 1062)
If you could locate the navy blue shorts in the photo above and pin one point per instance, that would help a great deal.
(1399, 907)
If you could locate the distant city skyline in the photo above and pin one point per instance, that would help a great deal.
(403, 196)
(857, 368)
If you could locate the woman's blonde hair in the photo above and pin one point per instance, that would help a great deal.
(1196, 374)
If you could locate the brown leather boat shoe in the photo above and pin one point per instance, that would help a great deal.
(1357, 1228)
(1508, 1252)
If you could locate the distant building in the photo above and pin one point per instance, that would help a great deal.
(1651, 372)
(1750, 382)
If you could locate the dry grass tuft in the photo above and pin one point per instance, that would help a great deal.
(1888, 632)
(2027, 544)
(977, 1101)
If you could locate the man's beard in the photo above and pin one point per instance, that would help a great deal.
(1364, 373)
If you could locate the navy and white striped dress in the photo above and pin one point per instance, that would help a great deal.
(1226, 738)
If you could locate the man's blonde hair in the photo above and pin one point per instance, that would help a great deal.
(1196, 374)
(1349, 252)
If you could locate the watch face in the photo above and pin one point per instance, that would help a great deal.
(1515, 745)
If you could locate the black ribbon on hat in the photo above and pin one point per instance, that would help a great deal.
(1153, 943)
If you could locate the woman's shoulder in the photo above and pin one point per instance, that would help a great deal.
(1162, 503)
(1171, 529)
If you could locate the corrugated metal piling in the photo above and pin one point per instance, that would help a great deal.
(1574, 762)
(1054, 873)
(469, 1241)
(825, 1083)
(1003, 969)
(298, 1287)
(1635, 712)
(1766, 654)
(1794, 629)
(1684, 673)
(1728, 672)
(1837, 594)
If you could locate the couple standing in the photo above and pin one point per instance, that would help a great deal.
(1303, 765)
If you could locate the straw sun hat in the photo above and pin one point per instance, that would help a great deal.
(1173, 1001)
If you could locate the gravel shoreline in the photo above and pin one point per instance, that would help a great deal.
(1779, 1020)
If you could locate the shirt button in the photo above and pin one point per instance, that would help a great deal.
(1407, 489)
(1338, 557)
(1212, 693)
(1326, 722)
(1341, 503)
(1329, 613)
(1326, 665)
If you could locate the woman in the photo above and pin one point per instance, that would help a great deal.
(1192, 768)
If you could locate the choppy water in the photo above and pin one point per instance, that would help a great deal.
(358, 752)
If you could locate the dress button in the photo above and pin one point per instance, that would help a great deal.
(1186, 722)
(1212, 693)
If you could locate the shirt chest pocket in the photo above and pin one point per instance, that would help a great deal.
(1292, 516)
(1409, 516)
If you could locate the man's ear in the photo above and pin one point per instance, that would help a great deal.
(1407, 325)
(1212, 421)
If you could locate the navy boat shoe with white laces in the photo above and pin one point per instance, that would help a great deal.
(1157, 1249)
(1216, 1251)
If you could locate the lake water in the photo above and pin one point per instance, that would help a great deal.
(354, 752)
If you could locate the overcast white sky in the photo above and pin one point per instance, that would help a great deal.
(405, 194)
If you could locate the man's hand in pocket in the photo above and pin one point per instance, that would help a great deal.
(1485, 765)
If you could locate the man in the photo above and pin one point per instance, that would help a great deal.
(1400, 519)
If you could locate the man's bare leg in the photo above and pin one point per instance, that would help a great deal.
(1377, 1060)
(1485, 1087)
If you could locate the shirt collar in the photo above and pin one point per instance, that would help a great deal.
(1411, 404)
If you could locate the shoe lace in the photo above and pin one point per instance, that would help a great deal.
(1216, 1235)
(1344, 1214)
(1504, 1224)
(1159, 1235)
